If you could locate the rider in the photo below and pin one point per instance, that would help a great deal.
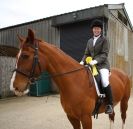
(98, 48)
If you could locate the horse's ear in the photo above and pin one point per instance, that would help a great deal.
(21, 39)
(31, 36)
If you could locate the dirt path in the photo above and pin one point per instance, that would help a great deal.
(47, 113)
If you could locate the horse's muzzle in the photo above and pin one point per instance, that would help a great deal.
(19, 93)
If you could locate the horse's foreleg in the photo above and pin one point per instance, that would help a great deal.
(75, 122)
(86, 121)
(111, 118)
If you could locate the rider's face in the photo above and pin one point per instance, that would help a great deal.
(96, 31)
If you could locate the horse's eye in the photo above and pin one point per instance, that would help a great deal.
(24, 56)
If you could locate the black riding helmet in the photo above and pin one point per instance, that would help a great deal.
(97, 23)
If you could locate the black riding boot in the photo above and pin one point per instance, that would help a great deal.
(109, 106)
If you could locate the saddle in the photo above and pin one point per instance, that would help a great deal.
(96, 77)
(98, 86)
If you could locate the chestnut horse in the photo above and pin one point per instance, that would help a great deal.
(76, 86)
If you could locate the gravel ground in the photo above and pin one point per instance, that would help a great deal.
(46, 113)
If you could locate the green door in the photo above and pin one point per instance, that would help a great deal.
(42, 86)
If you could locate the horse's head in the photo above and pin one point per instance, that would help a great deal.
(27, 64)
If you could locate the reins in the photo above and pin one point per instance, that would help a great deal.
(60, 74)
(36, 62)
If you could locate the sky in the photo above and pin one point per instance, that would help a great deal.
(14, 12)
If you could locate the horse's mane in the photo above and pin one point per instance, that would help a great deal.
(58, 50)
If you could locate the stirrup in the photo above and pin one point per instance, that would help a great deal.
(109, 109)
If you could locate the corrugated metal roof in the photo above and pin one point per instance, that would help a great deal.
(56, 18)
(38, 20)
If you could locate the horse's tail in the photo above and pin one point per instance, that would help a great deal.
(131, 83)
(128, 86)
(124, 101)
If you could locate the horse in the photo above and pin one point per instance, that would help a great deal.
(76, 85)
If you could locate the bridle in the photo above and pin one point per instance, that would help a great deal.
(31, 75)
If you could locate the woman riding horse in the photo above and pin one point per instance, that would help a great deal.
(98, 48)
(76, 86)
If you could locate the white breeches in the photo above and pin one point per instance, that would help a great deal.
(104, 77)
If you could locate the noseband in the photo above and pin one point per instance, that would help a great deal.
(31, 75)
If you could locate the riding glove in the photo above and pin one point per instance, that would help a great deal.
(93, 62)
(82, 62)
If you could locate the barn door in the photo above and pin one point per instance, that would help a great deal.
(74, 37)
